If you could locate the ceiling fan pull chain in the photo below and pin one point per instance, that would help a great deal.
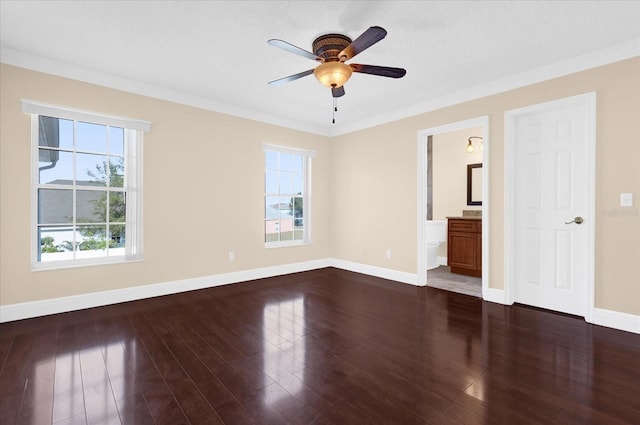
(335, 109)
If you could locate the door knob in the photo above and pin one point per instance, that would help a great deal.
(577, 220)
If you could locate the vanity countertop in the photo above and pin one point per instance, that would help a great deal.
(464, 218)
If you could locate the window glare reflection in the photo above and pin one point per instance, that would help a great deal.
(106, 372)
(284, 345)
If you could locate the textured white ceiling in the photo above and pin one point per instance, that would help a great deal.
(214, 54)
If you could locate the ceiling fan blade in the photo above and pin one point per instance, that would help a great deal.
(293, 49)
(337, 92)
(383, 71)
(290, 78)
(366, 40)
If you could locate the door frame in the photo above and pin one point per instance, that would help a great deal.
(510, 189)
(422, 193)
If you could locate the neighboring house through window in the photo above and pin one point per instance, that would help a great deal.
(287, 201)
(86, 187)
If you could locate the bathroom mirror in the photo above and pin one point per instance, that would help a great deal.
(474, 184)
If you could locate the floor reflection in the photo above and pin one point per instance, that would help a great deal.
(333, 347)
(284, 349)
(88, 381)
(465, 330)
(69, 396)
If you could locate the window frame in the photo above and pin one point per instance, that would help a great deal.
(133, 131)
(307, 156)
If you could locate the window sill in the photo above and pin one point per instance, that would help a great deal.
(60, 265)
(285, 244)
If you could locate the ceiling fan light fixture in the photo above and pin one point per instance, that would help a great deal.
(333, 74)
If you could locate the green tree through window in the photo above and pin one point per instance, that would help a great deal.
(95, 237)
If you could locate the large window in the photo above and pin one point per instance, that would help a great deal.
(86, 187)
(287, 198)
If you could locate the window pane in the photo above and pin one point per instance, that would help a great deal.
(272, 230)
(285, 207)
(55, 167)
(91, 206)
(117, 207)
(286, 161)
(55, 133)
(55, 206)
(93, 241)
(271, 160)
(297, 208)
(286, 184)
(116, 172)
(91, 170)
(272, 208)
(296, 165)
(48, 156)
(298, 184)
(116, 141)
(55, 243)
(298, 229)
(286, 230)
(48, 132)
(116, 239)
(271, 182)
(66, 134)
(91, 137)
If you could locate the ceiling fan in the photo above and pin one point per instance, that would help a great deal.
(332, 51)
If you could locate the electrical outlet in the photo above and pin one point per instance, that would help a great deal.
(232, 255)
(388, 253)
(626, 199)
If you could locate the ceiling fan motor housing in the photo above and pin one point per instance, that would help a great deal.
(328, 46)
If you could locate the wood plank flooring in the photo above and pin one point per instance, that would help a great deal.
(319, 347)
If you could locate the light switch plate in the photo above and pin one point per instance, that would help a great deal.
(626, 199)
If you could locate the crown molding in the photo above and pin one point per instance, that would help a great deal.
(91, 76)
(606, 56)
(569, 66)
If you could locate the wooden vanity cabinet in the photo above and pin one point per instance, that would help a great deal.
(464, 246)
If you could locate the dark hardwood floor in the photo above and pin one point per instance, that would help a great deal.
(320, 347)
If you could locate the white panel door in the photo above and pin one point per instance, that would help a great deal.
(551, 171)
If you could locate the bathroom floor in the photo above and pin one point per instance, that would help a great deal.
(442, 278)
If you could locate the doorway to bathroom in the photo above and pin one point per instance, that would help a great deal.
(453, 164)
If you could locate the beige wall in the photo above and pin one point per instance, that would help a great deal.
(375, 183)
(203, 189)
(365, 187)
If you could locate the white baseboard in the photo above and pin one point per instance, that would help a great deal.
(495, 296)
(442, 261)
(615, 319)
(46, 307)
(30, 309)
(599, 316)
(609, 318)
(404, 277)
